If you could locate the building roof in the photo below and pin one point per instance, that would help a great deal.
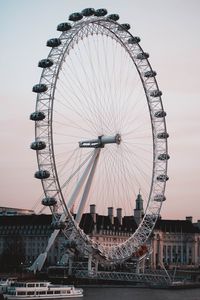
(102, 223)
(87, 223)
(26, 220)
(14, 211)
(18, 225)
(176, 226)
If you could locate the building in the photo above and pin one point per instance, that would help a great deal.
(109, 229)
(25, 236)
(176, 243)
(10, 211)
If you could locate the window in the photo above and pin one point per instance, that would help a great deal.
(49, 292)
(21, 293)
(30, 293)
(42, 293)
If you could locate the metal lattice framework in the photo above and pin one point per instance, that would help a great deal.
(81, 28)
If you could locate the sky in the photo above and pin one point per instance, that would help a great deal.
(169, 31)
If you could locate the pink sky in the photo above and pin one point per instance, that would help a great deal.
(169, 31)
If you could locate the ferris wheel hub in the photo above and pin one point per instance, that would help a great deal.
(101, 141)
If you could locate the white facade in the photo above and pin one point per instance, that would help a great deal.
(175, 249)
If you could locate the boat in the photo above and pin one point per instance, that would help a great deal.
(5, 283)
(41, 290)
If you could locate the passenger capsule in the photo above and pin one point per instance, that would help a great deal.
(45, 63)
(64, 26)
(58, 225)
(49, 201)
(75, 17)
(38, 145)
(113, 17)
(39, 88)
(149, 74)
(124, 26)
(160, 114)
(162, 135)
(159, 198)
(156, 93)
(134, 40)
(55, 42)
(100, 12)
(163, 156)
(87, 12)
(162, 178)
(37, 116)
(142, 55)
(42, 174)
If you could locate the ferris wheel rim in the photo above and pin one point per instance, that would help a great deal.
(147, 221)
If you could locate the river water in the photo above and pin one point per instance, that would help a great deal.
(108, 293)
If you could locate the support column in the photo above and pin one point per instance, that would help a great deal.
(187, 254)
(96, 266)
(171, 254)
(71, 258)
(161, 251)
(181, 252)
(138, 268)
(89, 264)
(195, 259)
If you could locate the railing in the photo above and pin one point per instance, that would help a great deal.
(148, 278)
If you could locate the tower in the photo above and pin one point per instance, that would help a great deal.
(138, 211)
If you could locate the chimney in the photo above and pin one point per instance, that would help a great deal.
(110, 214)
(189, 219)
(119, 215)
(93, 212)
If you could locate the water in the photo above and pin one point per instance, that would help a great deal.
(107, 293)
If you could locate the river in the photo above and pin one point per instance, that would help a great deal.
(107, 293)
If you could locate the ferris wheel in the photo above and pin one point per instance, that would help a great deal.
(100, 131)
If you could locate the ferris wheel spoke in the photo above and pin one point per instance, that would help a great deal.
(144, 176)
(126, 188)
(72, 124)
(121, 82)
(73, 109)
(94, 83)
(88, 93)
(137, 110)
(106, 90)
(130, 173)
(138, 130)
(82, 102)
(130, 185)
(90, 85)
(74, 172)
